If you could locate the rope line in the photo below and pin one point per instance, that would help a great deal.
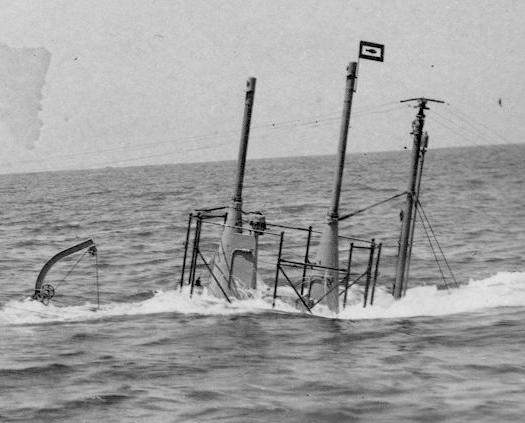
(437, 243)
(458, 128)
(432, 248)
(268, 127)
(471, 121)
(71, 270)
(346, 216)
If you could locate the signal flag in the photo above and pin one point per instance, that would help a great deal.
(371, 51)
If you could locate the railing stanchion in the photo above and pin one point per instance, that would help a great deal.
(185, 251)
(369, 271)
(348, 273)
(306, 259)
(278, 267)
(375, 274)
(195, 252)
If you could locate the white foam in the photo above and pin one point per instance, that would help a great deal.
(505, 289)
(28, 311)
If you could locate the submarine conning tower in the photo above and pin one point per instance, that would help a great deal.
(235, 263)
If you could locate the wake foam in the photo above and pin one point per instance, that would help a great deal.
(28, 311)
(505, 289)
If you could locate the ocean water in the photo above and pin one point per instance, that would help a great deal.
(148, 352)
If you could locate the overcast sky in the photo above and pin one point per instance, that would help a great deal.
(142, 82)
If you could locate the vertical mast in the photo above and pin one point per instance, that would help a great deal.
(333, 213)
(328, 254)
(403, 258)
(234, 269)
(424, 146)
(235, 209)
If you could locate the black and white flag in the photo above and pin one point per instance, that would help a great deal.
(371, 51)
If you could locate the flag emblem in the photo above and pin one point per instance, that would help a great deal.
(371, 51)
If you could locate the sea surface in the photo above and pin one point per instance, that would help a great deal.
(144, 351)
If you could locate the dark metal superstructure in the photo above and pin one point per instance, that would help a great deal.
(234, 266)
(44, 292)
(360, 271)
(222, 251)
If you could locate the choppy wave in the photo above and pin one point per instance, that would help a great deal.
(504, 289)
(153, 353)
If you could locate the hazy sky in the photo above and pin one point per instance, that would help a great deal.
(136, 82)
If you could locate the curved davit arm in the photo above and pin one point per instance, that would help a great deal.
(56, 258)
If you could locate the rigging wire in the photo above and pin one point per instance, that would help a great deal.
(346, 216)
(457, 130)
(432, 248)
(471, 134)
(459, 121)
(437, 243)
(470, 137)
(323, 119)
(454, 129)
(473, 130)
(180, 141)
(450, 123)
(470, 119)
(71, 270)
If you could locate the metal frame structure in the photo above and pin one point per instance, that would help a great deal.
(310, 272)
(370, 274)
